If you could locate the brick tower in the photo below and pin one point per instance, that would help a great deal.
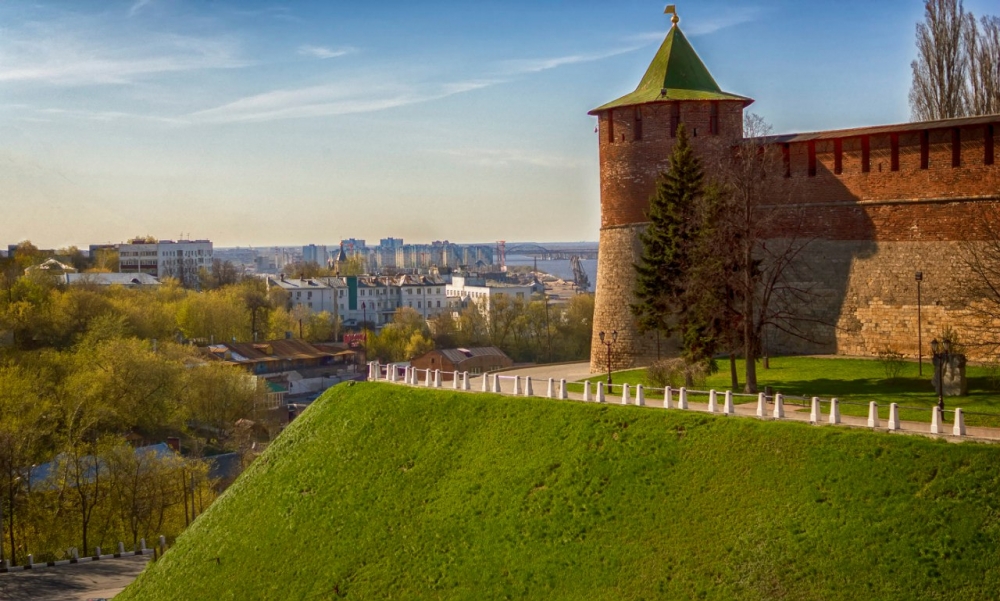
(637, 135)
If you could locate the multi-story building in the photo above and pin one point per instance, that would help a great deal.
(181, 260)
(313, 294)
(315, 254)
(464, 290)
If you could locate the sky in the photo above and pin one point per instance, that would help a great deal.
(284, 123)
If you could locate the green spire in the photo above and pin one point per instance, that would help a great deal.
(677, 69)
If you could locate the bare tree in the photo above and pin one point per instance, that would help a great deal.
(982, 47)
(939, 73)
(760, 246)
(981, 281)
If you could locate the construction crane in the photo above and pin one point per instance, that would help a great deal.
(579, 275)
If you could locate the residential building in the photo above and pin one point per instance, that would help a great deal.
(315, 254)
(465, 289)
(313, 294)
(166, 259)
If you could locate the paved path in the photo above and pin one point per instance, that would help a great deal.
(746, 407)
(74, 582)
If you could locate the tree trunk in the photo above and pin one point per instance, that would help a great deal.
(749, 346)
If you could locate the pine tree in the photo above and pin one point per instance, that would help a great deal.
(674, 287)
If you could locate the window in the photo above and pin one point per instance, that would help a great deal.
(611, 127)
(638, 124)
(925, 150)
(988, 150)
(812, 158)
(838, 156)
(439, 304)
(894, 150)
(956, 147)
(713, 118)
(675, 118)
(418, 305)
(786, 157)
(866, 154)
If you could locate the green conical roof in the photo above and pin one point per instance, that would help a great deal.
(676, 68)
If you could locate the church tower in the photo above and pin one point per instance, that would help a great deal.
(637, 134)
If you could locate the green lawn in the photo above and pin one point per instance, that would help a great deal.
(387, 492)
(854, 381)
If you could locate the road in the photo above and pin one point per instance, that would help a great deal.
(73, 582)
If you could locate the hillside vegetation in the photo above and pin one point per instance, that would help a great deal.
(384, 492)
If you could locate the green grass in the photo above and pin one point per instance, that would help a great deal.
(385, 492)
(855, 381)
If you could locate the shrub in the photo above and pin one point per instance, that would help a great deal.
(677, 372)
(892, 362)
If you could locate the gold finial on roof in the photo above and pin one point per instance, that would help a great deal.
(672, 10)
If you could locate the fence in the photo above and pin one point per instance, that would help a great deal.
(764, 406)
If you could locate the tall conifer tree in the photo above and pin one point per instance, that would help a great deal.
(669, 301)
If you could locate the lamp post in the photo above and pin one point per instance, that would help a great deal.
(920, 347)
(939, 362)
(608, 343)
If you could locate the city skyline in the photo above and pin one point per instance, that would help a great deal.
(255, 124)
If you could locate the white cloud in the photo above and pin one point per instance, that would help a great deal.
(535, 65)
(331, 100)
(137, 6)
(323, 51)
(71, 55)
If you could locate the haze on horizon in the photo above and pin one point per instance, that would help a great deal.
(255, 123)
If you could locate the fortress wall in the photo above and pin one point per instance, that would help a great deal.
(870, 229)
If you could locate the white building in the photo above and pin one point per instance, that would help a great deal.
(462, 290)
(313, 294)
(166, 259)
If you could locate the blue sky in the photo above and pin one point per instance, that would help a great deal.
(267, 123)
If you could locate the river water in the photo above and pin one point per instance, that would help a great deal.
(559, 268)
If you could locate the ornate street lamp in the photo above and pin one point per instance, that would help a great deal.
(939, 362)
(608, 343)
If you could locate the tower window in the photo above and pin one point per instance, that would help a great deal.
(925, 150)
(611, 126)
(638, 123)
(894, 145)
(838, 156)
(956, 147)
(812, 158)
(866, 154)
(786, 158)
(675, 118)
(988, 150)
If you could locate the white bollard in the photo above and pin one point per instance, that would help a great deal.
(429, 381)
(465, 380)
(97, 552)
(682, 398)
(551, 391)
(814, 410)
(667, 393)
(437, 378)
(873, 415)
(834, 411)
(959, 429)
(761, 404)
(528, 391)
(563, 393)
(728, 408)
(496, 384)
(454, 380)
(640, 396)
(486, 383)
(371, 370)
(75, 554)
(31, 560)
(779, 406)
(625, 395)
(391, 372)
(142, 544)
(600, 392)
(893, 416)
(121, 548)
(517, 385)
(936, 420)
(378, 371)
(713, 404)
(586, 391)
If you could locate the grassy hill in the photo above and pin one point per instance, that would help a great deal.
(384, 492)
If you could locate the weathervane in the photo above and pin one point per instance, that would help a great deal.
(672, 10)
